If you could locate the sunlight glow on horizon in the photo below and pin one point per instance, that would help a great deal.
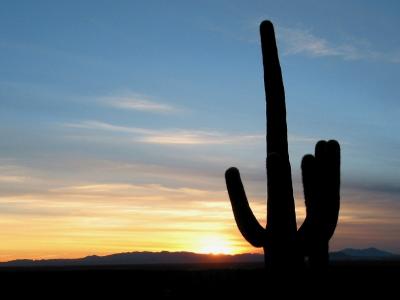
(117, 218)
(215, 244)
(119, 119)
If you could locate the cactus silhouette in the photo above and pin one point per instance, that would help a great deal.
(284, 247)
(321, 182)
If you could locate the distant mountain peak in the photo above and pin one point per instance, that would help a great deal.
(367, 252)
(139, 258)
(370, 253)
(184, 257)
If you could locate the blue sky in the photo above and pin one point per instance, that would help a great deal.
(131, 95)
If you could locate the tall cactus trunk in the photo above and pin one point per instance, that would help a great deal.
(284, 247)
(281, 217)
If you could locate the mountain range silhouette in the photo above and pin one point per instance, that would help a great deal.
(165, 257)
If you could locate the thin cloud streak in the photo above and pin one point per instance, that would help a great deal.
(303, 41)
(180, 136)
(11, 179)
(111, 217)
(114, 217)
(171, 136)
(14, 174)
(296, 41)
(139, 103)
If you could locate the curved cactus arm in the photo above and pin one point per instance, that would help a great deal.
(247, 223)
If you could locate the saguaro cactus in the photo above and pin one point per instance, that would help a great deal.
(283, 245)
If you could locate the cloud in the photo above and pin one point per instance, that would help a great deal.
(109, 215)
(13, 174)
(196, 137)
(180, 136)
(139, 103)
(118, 199)
(170, 136)
(303, 41)
(11, 179)
(114, 217)
(296, 41)
(389, 187)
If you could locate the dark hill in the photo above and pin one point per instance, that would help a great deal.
(165, 258)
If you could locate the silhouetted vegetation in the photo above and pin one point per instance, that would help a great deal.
(284, 246)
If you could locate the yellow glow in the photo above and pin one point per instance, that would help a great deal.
(86, 219)
(79, 220)
(215, 245)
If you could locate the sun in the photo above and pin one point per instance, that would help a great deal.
(215, 245)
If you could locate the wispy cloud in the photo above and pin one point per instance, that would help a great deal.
(303, 41)
(11, 179)
(111, 217)
(139, 103)
(296, 41)
(180, 136)
(171, 136)
(11, 173)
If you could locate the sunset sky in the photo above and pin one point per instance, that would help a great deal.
(118, 120)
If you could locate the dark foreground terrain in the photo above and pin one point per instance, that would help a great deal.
(372, 279)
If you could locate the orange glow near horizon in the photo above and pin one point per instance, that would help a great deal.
(215, 245)
(102, 219)
(118, 124)
(82, 220)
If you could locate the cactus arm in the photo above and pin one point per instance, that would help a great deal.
(333, 185)
(247, 223)
(321, 182)
(306, 232)
(284, 246)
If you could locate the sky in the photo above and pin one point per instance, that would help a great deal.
(118, 120)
